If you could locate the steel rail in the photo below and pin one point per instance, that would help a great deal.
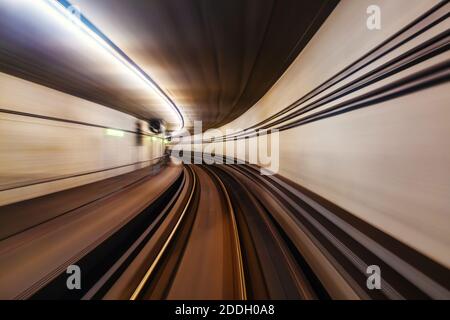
(153, 266)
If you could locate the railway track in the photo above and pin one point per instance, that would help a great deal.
(215, 232)
(201, 258)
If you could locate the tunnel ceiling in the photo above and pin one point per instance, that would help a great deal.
(215, 59)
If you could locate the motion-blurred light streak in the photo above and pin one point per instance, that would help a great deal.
(63, 12)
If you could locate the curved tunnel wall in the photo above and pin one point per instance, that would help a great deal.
(385, 161)
(51, 141)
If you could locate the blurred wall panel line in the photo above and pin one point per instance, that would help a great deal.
(45, 156)
(387, 163)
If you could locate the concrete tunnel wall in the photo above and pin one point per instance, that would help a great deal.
(388, 163)
(40, 155)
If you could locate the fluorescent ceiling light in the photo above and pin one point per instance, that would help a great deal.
(114, 133)
(85, 27)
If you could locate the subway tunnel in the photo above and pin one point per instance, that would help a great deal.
(224, 150)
